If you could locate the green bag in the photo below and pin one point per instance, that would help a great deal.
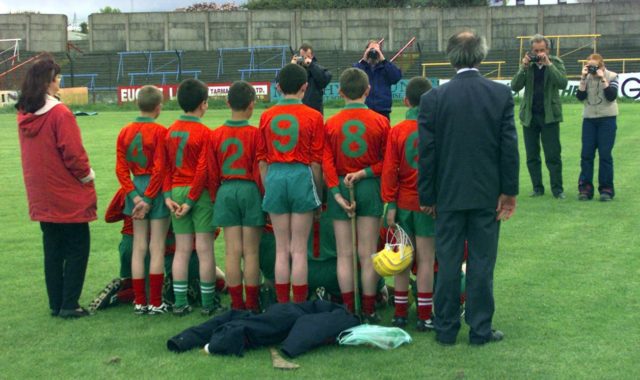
(382, 337)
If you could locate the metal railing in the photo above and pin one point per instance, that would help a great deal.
(623, 60)
(498, 70)
(558, 37)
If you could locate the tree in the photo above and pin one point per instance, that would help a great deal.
(84, 28)
(109, 9)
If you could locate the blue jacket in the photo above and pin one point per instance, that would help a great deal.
(381, 77)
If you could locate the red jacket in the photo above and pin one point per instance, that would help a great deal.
(55, 165)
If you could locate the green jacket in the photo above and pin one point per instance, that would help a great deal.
(555, 79)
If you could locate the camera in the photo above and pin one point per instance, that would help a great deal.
(533, 57)
(299, 60)
(372, 54)
(592, 69)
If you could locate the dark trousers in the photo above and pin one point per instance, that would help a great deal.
(598, 133)
(549, 134)
(66, 253)
(481, 230)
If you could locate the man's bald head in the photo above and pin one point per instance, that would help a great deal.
(466, 49)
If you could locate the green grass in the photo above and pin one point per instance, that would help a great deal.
(566, 288)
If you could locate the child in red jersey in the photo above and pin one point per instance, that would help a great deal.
(229, 162)
(140, 151)
(354, 149)
(400, 192)
(290, 155)
(186, 139)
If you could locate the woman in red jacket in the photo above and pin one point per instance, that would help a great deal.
(59, 184)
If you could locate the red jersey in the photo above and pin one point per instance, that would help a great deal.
(185, 140)
(291, 132)
(115, 213)
(140, 151)
(355, 139)
(230, 153)
(400, 169)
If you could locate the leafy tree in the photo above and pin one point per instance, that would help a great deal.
(109, 9)
(84, 28)
(328, 4)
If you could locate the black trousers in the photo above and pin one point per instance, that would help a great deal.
(549, 135)
(481, 230)
(66, 254)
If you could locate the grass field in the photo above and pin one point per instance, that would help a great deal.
(566, 287)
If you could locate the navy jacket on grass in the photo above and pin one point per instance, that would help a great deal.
(299, 327)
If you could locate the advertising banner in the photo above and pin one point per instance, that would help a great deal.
(216, 90)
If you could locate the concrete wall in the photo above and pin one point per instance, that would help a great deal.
(350, 29)
(39, 32)
(332, 29)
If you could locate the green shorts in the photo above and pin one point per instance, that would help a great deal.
(199, 217)
(126, 250)
(414, 223)
(268, 255)
(367, 196)
(238, 203)
(158, 209)
(289, 188)
(322, 240)
(324, 274)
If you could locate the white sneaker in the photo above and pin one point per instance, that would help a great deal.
(140, 309)
(162, 309)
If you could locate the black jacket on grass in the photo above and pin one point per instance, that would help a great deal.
(298, 327)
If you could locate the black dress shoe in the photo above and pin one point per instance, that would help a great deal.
(446, 343)
(559, 195)
(536, 193)
(54, 312)
(73, 313)
(496, 336)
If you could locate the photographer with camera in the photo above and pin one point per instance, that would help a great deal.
(382, 74)
(598, 91)
(317, 77)
(542, 76)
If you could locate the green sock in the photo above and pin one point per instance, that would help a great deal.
(207, 290)
(180, 293)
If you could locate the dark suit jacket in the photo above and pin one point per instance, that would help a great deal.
(468, 149)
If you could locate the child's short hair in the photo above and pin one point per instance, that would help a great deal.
(191, 94)
(415, 88)
(354, 83)
(240, 95)
(291, 78)
(148, 98)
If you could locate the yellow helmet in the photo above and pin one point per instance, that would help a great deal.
(397, 254)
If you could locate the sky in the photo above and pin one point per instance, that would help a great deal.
(83, 9)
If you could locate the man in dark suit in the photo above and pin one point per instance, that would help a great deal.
(468, 180)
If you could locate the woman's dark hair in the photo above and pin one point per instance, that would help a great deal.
(35, 85)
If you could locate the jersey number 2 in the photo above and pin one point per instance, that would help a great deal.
(230, 160)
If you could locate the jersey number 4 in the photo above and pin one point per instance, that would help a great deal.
(135, 153)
